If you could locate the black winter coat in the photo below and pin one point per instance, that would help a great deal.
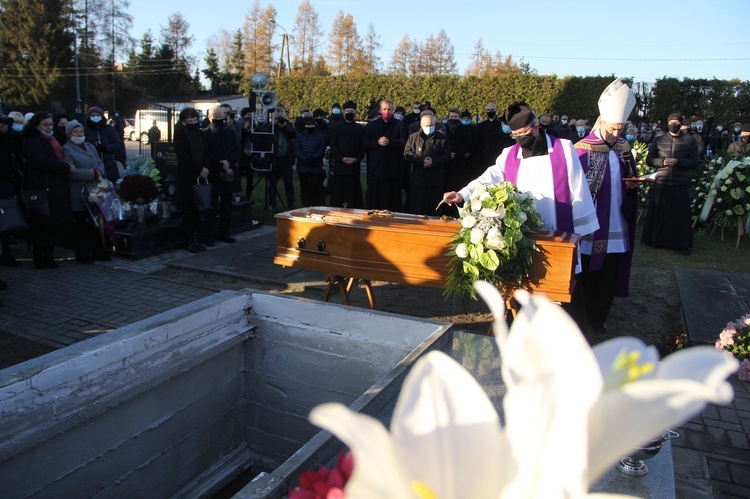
(111, 147)
(384, 163)
(188, 166)
(309, 149)
(681, 147)
(347, 141)
(223, 145)
(44, 170)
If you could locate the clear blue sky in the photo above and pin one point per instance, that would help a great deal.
(642, 39)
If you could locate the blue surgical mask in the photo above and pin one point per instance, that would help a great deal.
(429, 130)
(699, 128)
(506, 129)
(467, 121)
(563, 122)
(335, 111)
(96, 119)
(580, 129)
(630, 138)
(17, 127)
(445, 122)
(399, 116)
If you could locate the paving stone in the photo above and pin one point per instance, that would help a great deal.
(719, 470)
(723, 424)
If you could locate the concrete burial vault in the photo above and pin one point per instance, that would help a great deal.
(181, 404)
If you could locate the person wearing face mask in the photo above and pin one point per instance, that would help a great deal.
(299, 123)
(580, 130)
(193, 161)
(606, 158)
(427, 152)
(547, 167)
(563, 130)
(413, 116)
(61, 121)
(224, 153)
(347, 153)
(385, 138)
(89, 242)
(17, 125)
(689, 130)
(321, 125)
(545, 123)
(44, 169)
(399, 113)
(459, 137)
(105, 139)
(741, 147)
(668, 215)
(718, 141)
(309, 149)
(336, 116)
(490, 139)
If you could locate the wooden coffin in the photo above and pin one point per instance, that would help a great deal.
(402, 248)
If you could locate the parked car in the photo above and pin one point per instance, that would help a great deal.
(129, 132)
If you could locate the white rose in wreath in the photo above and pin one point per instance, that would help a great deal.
(476, 236)
(462, 251)
(468, 221)
(495, 239)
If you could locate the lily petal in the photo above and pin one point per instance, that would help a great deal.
(444, 424)
(377, 471)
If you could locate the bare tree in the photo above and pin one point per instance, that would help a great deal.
(345, 45)
(307, 37)
(258, 31)
(177, 35)
(401, 55)
(372, 44)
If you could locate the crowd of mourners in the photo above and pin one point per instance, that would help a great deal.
(409, 156)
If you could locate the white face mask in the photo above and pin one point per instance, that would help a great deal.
(77, 140)
(580, 129)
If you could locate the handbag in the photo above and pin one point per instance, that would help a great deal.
(202, 195)
(11, 217)
(36, 201)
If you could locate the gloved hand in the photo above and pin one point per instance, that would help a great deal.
(101, 147)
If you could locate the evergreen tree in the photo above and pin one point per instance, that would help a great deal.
(36, 52)
(177, 35)
(307, 38)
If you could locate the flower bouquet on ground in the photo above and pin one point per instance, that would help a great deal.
(735, 339)
(727, 203)
(493, 243)
(102, 200)
(143, 166)
(136, 186)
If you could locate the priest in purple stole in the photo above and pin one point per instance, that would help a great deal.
(606, 159)
(548, 168)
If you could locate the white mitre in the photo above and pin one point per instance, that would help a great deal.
(616, 102)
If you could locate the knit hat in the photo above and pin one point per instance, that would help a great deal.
(94, 109)
(675, 116)
(70, 126)
(319, 113)
(466, 114)
(350, 104)
(616, 102)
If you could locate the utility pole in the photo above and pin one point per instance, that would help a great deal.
(113, 57)
(284, 46)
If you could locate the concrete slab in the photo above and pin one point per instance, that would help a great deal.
(710, 300)
(250, 259)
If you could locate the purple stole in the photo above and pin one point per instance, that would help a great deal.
(603, 198)
(563, 205)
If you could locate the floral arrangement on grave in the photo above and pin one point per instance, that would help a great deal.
(735, 339)
(143, 166)
(493, 242)
(564, 403)
(726, 193)
(640, 153)
(136, 187)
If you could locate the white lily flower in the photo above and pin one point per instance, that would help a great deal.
(476, 204)
(635, 399)
(565, 403)
(445, 441)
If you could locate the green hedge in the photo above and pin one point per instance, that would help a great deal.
(547, 94)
